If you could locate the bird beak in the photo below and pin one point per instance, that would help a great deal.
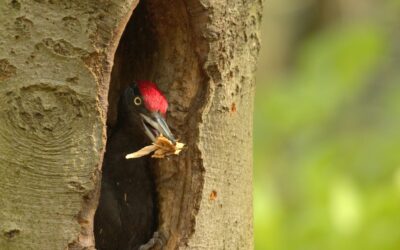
(155, 125)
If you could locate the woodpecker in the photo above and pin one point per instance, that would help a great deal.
(126, 216)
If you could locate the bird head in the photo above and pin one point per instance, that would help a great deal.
(147, 107)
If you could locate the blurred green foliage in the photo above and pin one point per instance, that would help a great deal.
(327, 140)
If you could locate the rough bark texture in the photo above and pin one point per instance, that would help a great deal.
(56, 86)
(56, 59)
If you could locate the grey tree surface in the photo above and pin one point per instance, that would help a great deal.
(57, 95)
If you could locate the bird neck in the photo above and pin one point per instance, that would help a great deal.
(130, 127)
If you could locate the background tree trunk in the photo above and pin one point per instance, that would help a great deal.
(58, 91)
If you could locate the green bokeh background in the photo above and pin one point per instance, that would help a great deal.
(327, 126)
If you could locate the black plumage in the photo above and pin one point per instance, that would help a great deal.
(126, 215)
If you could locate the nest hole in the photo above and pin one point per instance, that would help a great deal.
(158, 45)
(127, 216)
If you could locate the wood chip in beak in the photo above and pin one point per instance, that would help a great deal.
(162, 147)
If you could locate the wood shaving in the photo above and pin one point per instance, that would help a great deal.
(161, 148)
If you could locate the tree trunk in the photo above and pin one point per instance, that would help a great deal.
(58, 91)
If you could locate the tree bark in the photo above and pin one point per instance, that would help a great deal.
(60, 75)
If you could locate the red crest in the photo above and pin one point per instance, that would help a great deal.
(153, 99)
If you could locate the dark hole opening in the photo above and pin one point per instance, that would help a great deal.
(126, 217)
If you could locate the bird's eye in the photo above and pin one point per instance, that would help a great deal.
(137, 100)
